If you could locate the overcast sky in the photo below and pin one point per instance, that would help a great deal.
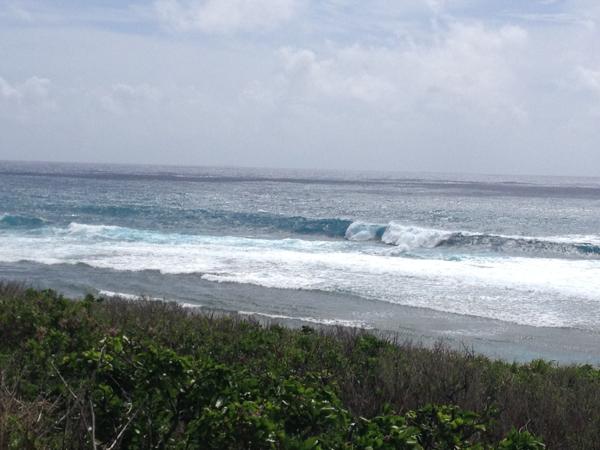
(496, 86)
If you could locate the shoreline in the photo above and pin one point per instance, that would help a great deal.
(532, 344)
(493, 338)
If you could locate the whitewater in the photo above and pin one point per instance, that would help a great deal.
(330, 248)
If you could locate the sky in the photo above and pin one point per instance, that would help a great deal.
(485, 86)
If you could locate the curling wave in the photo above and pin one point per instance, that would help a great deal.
(408, 237)
(404, 238)
(193, 219)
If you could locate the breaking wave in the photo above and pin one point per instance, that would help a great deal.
(403, 237)
(406, 237)
(194, 220)
(409, 237)
(532, 291)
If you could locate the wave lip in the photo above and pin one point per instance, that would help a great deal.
(408, 237)
(405, 237)
(364, 231)
(20, 221)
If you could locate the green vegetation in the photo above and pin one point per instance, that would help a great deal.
(121, 374)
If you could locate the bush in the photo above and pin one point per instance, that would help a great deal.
(122, 374)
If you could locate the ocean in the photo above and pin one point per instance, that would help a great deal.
(508, 264)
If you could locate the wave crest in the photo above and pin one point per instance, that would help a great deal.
(410, 237)
(18, 221)
(363, 231)
(405, 237)
(539, 246)
(84, 228)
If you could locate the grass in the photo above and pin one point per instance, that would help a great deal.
(115, 373)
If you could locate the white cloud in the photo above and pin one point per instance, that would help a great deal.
(18, 99)
(437, 6)
(124, 98)
(15, 11)
(589, 79)
(224, 16)
(463, 67)
(32, 89)
(7, 92)
(30, 12)
(338, 76)
(583, 20)
(415, 84)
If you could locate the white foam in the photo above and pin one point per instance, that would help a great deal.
(411, 237)
(82, 228)
(129, 296)
(573, 239)
(542, 292)
(363, 231)
(408, 237)
(405, 237)
(120, 295)
(191, 305)
(330, 322)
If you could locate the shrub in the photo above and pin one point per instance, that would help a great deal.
(122, 374)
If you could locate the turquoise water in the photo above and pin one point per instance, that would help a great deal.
(520, 250)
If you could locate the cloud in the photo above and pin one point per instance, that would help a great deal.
(437, 6)
(410, 85)
(589, 79)
(224, 16)
(585, 21)
(15, 11)
(23, 97)
(338, 76)
(124, 98)
(464, 67)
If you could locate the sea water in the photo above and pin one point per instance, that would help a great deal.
(321, 247)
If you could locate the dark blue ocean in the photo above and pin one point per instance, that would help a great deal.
(324, 247)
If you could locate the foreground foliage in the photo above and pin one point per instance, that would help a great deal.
(120, 374)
